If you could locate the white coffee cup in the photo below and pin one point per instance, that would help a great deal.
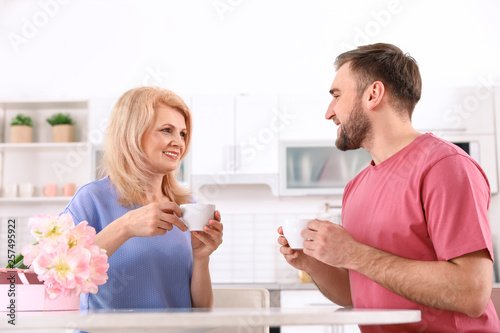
(196, 216)
(26, 190)
(10, 190)
(292, 229)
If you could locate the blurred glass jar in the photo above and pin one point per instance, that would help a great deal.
(304, 277)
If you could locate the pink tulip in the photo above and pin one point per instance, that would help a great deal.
(82, 235)
(50, 230)
(98, 270)
(63, 268)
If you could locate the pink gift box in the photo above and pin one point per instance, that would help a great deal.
(20, 290)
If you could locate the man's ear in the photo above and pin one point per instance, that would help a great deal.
(376, 93)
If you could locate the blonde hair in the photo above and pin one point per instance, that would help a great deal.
(124, 160)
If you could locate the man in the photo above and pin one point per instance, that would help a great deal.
(415, 232)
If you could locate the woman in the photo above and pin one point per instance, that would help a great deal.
(154, 262)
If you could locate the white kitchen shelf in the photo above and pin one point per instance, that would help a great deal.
(40, 145)
(42, 161)
(36, 200)
(38, 104)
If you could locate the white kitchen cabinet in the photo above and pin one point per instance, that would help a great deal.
(310, 298)
(235, 140)
(257, 124)
(234, 134)
(212, 145)
(303, 118)
(466, 110)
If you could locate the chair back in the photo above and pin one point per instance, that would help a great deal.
(242, 298)
(495, 298)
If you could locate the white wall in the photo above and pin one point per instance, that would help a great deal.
(82, 49)
(55, 49)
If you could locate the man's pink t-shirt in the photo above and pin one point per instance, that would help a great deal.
(427, 202)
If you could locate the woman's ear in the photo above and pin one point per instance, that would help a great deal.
(376, 93)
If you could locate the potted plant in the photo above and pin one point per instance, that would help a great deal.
(21, 129)
(63, 129)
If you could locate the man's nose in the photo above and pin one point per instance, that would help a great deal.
(329, 111)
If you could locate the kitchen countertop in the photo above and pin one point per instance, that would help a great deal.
(158, 320)
(269, 286)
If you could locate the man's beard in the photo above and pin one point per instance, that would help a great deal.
(355, 130)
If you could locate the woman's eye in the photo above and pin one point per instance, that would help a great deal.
(167, 130)
(183, 134)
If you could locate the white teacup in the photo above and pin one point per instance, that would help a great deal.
(10, 191)
(292, 229)
(26, 190)
(196, 216)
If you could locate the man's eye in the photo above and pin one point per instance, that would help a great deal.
(336, 96)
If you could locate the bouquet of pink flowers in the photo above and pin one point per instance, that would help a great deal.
(64, 256)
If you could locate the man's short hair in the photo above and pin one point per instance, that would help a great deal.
(386, 63)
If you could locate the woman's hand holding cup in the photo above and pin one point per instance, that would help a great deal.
(205, 242)
(153, 219)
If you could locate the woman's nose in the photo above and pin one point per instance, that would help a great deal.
(178, 140)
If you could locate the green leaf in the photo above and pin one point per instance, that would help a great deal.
(21, 119)
(60, 119)
(18, 259)
(21, 265)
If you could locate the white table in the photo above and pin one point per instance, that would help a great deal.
(160, 320)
